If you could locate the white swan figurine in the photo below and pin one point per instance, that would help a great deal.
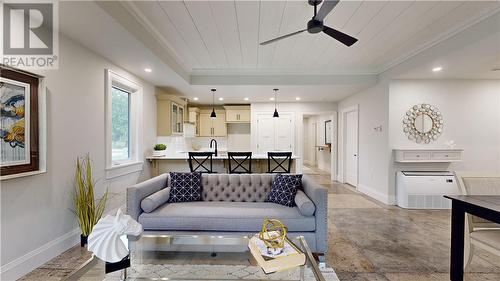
(105, 242)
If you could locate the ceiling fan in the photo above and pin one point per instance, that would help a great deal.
(315, 25)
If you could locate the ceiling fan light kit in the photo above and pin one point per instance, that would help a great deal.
(315, 25)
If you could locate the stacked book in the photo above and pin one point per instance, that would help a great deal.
(289, 258)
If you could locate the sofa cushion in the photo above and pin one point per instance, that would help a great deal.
(155, 200)
(185, 187)
(223, 216)
(236, 188)
(305, 205)
(284, 189)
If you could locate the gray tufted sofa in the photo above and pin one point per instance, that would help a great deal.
(231, 204)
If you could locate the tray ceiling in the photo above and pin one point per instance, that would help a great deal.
(208, 37)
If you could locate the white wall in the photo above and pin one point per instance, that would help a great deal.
(470, 110)
(373, 158)
(36, 218)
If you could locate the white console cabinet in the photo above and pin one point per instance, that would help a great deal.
(427, 155)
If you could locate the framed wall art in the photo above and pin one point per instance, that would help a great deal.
(328, 132)
(19, 120)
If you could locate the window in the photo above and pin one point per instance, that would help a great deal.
(120, 123)
(123, 125)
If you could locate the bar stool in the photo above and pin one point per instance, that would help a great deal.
(239, 161)
(199, 159)
(279, 159)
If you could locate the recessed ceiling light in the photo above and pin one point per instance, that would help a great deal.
(297, 98)
(437, 69)
(271, 98)
(148, 69)
(195, 98)
(221, 98)
(246, 98)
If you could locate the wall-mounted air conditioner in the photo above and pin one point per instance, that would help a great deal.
(425, 190)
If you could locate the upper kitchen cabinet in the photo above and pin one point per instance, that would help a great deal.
(194, 122)
(237, 113)
(209, 127)
(170, 112)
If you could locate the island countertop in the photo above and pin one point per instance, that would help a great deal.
(184, 156)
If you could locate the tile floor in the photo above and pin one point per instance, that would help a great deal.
(367, 241)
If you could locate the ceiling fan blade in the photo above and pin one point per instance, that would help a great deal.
(340, 36)
(282, 37)
(325, 9)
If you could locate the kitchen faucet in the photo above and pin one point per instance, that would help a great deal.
(214, 141)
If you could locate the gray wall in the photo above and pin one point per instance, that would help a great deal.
(36, 218)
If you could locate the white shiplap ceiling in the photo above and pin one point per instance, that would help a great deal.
(193, 46)
(221, 37)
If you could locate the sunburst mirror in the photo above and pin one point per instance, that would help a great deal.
(423, 123)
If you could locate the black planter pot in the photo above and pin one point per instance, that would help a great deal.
(83, 240)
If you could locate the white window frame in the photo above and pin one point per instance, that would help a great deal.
(135, 162)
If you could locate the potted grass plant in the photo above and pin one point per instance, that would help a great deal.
(87, 209)
(159, 150)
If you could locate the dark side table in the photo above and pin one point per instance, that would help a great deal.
(483, 206)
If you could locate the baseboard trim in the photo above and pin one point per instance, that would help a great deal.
(379, 196)
(28, 262)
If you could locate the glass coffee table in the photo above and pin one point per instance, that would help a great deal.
(195, 257)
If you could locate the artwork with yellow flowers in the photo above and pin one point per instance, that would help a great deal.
(16, 122)
(14, 132)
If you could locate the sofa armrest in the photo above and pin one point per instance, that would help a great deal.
(137, 192)
(319, 195)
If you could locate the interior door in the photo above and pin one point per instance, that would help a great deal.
(265, 133)
(351, 148)
(283, 128)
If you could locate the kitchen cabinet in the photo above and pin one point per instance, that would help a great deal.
(194, 119)
(238, 114)
(274, 134)
(212, 127)
(171, 113)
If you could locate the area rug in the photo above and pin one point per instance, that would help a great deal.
(217, 272)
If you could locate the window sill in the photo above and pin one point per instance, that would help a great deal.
(123, 169)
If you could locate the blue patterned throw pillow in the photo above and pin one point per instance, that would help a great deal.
(185, 187)
(284, 189)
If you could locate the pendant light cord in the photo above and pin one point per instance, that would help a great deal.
(275, 98)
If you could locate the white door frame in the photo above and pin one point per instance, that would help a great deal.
(314, 144)
(342, 141)
(300, 141)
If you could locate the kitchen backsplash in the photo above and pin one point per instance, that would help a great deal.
(177, 144)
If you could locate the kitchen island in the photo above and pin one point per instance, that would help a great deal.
(178, 162)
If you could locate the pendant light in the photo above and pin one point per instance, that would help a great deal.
(276, 114)
(213, 115)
